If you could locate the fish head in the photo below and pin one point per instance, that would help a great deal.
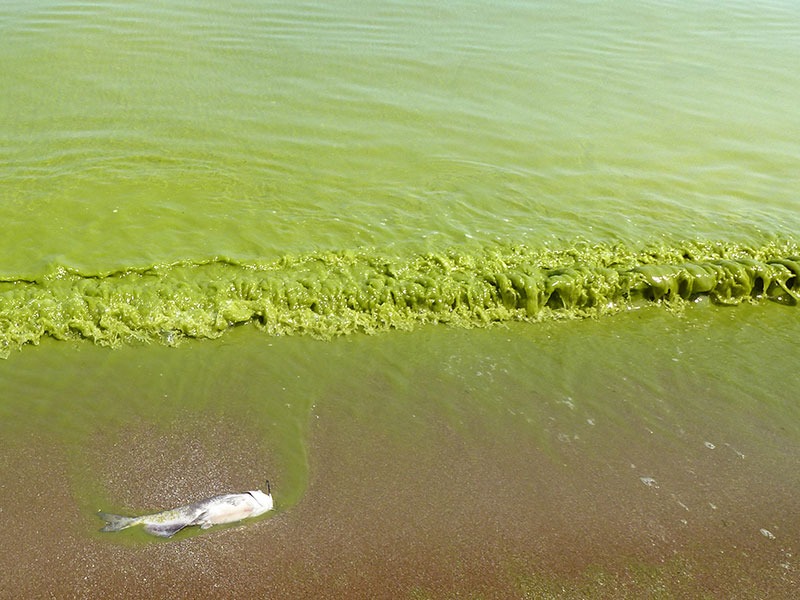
(263, 502)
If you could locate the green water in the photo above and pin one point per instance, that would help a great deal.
(200, 416)
(285, 177)
(135, 135)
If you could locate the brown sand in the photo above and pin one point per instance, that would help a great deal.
(439, 513)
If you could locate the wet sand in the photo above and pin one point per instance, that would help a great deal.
(440, 511)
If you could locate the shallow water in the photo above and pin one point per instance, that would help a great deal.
(572, 226)
(272, 137)
(644, 451)
(135, 134)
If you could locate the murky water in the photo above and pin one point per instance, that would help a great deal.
(610, 188)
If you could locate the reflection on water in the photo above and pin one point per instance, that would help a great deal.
(254, 129)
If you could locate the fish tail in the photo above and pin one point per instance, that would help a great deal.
(116, 522)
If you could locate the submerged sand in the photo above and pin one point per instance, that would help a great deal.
(459, 465)
(453, 515)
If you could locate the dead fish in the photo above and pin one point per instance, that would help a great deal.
(227, 508)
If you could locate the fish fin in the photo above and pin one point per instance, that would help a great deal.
(168, 530)
(116, 522)
(200, 520)
(164, 530)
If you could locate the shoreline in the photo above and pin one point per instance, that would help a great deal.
(453, 519)
(471, 464)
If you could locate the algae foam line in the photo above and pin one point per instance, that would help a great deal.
(327, 294)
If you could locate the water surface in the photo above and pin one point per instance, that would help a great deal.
(572, 226)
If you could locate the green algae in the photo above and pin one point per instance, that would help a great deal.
(326, 294)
